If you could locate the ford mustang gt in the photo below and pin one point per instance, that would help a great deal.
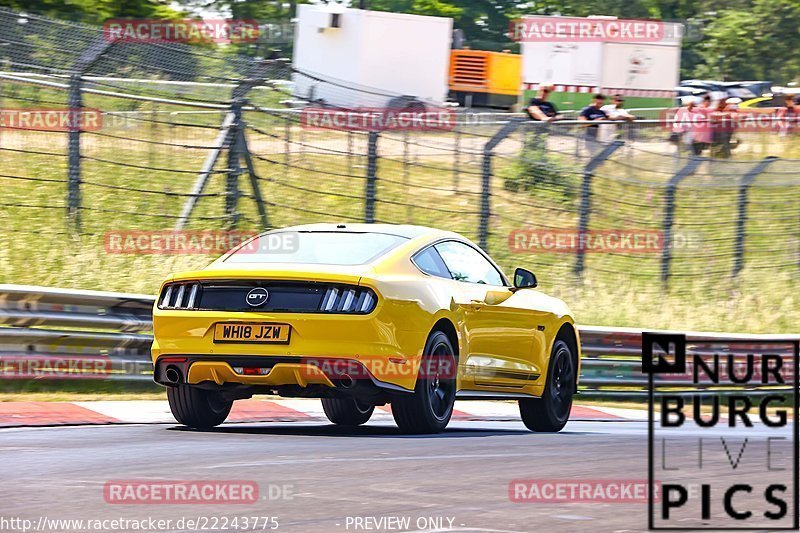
(363, 315)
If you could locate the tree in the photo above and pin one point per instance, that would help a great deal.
(755, 39)
(760, 43)
(94, 11)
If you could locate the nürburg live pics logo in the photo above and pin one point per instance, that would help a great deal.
(722, 432)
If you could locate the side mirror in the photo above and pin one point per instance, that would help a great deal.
(524, 279)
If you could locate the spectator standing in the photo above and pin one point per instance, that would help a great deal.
(615, 112)
(722, 128)
(593, 113)
(701, 129)
(540, 109)
(788, 116)
(684, 122)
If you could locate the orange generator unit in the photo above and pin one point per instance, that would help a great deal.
(479, 78)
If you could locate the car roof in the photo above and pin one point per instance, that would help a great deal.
(419, 237)
(401, 230)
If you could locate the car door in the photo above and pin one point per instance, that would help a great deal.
(500, 332)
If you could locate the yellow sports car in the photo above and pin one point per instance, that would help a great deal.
(362, 315)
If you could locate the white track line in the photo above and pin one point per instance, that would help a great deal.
(158, 412)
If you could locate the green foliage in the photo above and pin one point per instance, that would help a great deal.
(760, 43)
(95, 11)
(739, 39)
(541, 172)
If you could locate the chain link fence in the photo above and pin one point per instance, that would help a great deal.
(197, 138)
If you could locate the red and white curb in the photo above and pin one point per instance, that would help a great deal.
(16, 414)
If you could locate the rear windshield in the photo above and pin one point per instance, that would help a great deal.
(316, 248)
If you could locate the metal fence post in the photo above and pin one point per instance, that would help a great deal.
(223, 141)
(741, 221)
(251, 170)
(456, 156)
(153, 134)
(372, 177)
(232, 192)
(486, 206)
(586, 198)
(75, 105)
(486, 179)
(229, 137)
(406, 175)
(349, 152)
(669, 212)
(287, 140)
(1, 107)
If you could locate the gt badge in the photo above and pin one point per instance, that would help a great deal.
(257, 297)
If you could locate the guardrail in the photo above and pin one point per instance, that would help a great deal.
(48, 333)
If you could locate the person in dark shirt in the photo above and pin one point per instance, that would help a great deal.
(540, 109)
(723, 126)
(593, 113)
(789, 115)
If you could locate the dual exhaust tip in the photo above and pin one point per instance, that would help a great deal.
(346, 381)
(172, 375)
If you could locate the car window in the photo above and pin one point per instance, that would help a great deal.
(741, 92)
(430, 262)
(467, 264)
(775, 101)
(316, 248)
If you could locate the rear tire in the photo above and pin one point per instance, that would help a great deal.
(550, 413)
(347, 411)
(198, 408)
(429, 408)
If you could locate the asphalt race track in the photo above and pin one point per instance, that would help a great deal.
(317, 477)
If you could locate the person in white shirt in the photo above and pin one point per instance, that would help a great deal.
(615, 112)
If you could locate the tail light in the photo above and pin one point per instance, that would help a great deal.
(251, 371)
(356, 300)
(179, 296)
(288, 297)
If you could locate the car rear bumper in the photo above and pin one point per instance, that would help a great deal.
(344, 375)
(322, 350)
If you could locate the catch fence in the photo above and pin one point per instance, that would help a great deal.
(198, 138)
